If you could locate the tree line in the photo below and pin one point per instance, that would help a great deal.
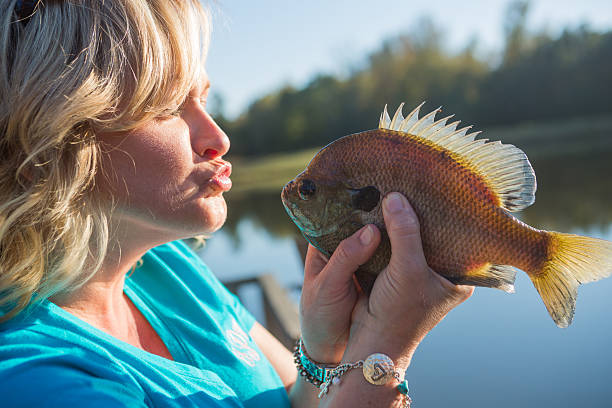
(537, 77)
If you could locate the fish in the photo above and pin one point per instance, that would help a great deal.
(463, 189)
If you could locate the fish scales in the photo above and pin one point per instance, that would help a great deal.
(461, 190)
(450, 200)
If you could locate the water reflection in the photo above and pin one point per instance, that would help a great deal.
(573, 192)
(263, 209)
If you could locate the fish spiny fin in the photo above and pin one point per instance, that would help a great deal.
(411, 119)
(397, 118)
(385, 120)
(423, 123)
(571, 261)
(505, 168)
(490, 276)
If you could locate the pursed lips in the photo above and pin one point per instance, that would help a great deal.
(215, 180)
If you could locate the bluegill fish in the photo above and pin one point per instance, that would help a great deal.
(463, 191)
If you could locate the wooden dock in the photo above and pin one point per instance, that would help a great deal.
(280, 311)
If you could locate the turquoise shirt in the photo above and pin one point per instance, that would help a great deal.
(50, 358)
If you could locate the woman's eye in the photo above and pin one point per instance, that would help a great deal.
(170, 114)
(174, 113)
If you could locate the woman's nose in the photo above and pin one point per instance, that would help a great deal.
(208, 139)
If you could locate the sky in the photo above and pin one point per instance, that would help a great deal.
(259, 46)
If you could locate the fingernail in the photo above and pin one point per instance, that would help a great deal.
(366, 235)
(395, 202)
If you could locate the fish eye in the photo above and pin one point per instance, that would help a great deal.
(307, 189)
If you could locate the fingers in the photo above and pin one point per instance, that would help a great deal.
(463, 293)
(404, 233)
(352, 252)
(314, 263)
(459, 293)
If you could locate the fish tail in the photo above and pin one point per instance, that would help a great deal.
(571, 260)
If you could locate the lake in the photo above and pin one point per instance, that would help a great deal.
(497, 349)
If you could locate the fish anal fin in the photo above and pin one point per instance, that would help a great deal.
(488, 275)
(504, 168)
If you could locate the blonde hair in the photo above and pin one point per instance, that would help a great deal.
(66, 69)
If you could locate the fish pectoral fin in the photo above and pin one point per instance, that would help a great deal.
(490, 276)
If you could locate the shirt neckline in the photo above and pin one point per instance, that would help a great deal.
(183, 368)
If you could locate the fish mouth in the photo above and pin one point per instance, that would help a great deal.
(303, 223)
(297, 216)
(285, 192)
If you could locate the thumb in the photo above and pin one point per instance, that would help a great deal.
(403, 228)
(349, 255)
(407, 255)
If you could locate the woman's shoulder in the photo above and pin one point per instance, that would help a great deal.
(44, 335)
(36, 373)
(26, 346)
(61, 372)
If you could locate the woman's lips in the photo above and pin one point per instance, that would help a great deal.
(221, 180)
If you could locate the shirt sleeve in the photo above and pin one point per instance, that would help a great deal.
(245, 318)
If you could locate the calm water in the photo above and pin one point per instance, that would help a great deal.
(497, 349)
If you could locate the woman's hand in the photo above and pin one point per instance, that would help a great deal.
(329, 294)
(408, 298)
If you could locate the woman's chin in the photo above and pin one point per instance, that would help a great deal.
(198, 217)
(213, 214)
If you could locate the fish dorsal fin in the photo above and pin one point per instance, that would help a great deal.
(505, 168)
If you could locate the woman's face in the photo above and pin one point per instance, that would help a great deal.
(167, 176)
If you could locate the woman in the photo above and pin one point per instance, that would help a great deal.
(109, 159)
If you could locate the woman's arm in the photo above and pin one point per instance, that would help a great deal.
(301, 394)
(278, 355)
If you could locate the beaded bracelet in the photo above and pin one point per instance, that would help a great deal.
(378, 369)
(314, 373)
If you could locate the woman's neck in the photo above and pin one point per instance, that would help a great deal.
(101, 301)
